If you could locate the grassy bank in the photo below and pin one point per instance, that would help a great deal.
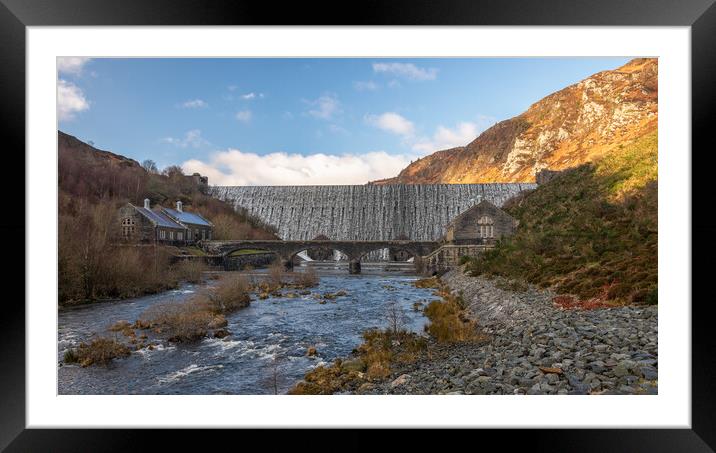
(590, 233)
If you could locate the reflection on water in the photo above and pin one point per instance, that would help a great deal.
(267, 346)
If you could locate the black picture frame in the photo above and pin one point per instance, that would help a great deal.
(700, 15)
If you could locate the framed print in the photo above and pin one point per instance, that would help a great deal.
(455, 216)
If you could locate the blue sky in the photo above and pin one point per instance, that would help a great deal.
(299, 121)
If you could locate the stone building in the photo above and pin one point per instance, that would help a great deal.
(142, 224)
(199, 228)
(483, 223)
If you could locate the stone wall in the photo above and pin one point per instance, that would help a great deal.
(239, 262)
(465, 228)
(448, 257)
(143, 228)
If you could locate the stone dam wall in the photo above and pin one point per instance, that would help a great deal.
(367, 212)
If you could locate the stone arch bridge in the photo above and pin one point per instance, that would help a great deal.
(354, 250)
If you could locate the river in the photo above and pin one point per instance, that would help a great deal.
(266, 352)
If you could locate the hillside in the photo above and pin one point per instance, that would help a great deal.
(94, 175)
(92, 185)
(575, 125)
(591, 232)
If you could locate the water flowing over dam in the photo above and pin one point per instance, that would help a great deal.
(367, 212)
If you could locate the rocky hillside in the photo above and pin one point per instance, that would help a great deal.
(565, 129)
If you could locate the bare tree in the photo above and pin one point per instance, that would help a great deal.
(150, 166)
(397, 319)
(273, 378)
(173, 170)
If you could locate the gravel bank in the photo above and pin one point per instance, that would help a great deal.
(535, 348)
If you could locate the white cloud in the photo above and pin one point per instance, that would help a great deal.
(252, 95)
(192, 139)
(365, 86)
(235, 167)
(195, 104)
(325, 107)
(244, 116)
(406, 70)
(392, 122)
(70, 100)
(445, 138)
(71, 65)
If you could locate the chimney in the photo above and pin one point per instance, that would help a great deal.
(179, 206)
(146, 203)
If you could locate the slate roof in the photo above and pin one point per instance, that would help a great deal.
(159, 218)
(187, 217)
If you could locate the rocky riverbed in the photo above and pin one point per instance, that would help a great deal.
(534, 347)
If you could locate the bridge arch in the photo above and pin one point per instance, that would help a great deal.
(307, 247)
(412, 251)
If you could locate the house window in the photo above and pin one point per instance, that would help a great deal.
(203, 234)
(162, 234)
(128, 227)
(180, 235)
(485, 227)
(208, 235)
(171, 235)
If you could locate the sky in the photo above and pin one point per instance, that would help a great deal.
(280, 121)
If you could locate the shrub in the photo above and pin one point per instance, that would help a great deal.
(306, 279)
(98, 351)
(122, 326)
(277, 275)
(230, 294)
(448, 323)
(185, 321)
(70, 356)
(191, 270)
(373, 361)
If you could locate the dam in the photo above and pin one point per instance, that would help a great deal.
(418, 212)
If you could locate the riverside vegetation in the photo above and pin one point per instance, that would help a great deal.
(198, 317)
(92, 185)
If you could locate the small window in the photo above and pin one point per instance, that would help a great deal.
(162, 234)
(180, 235)
(485, 227)
(171, 235)
(203, 234)
(127, 227)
